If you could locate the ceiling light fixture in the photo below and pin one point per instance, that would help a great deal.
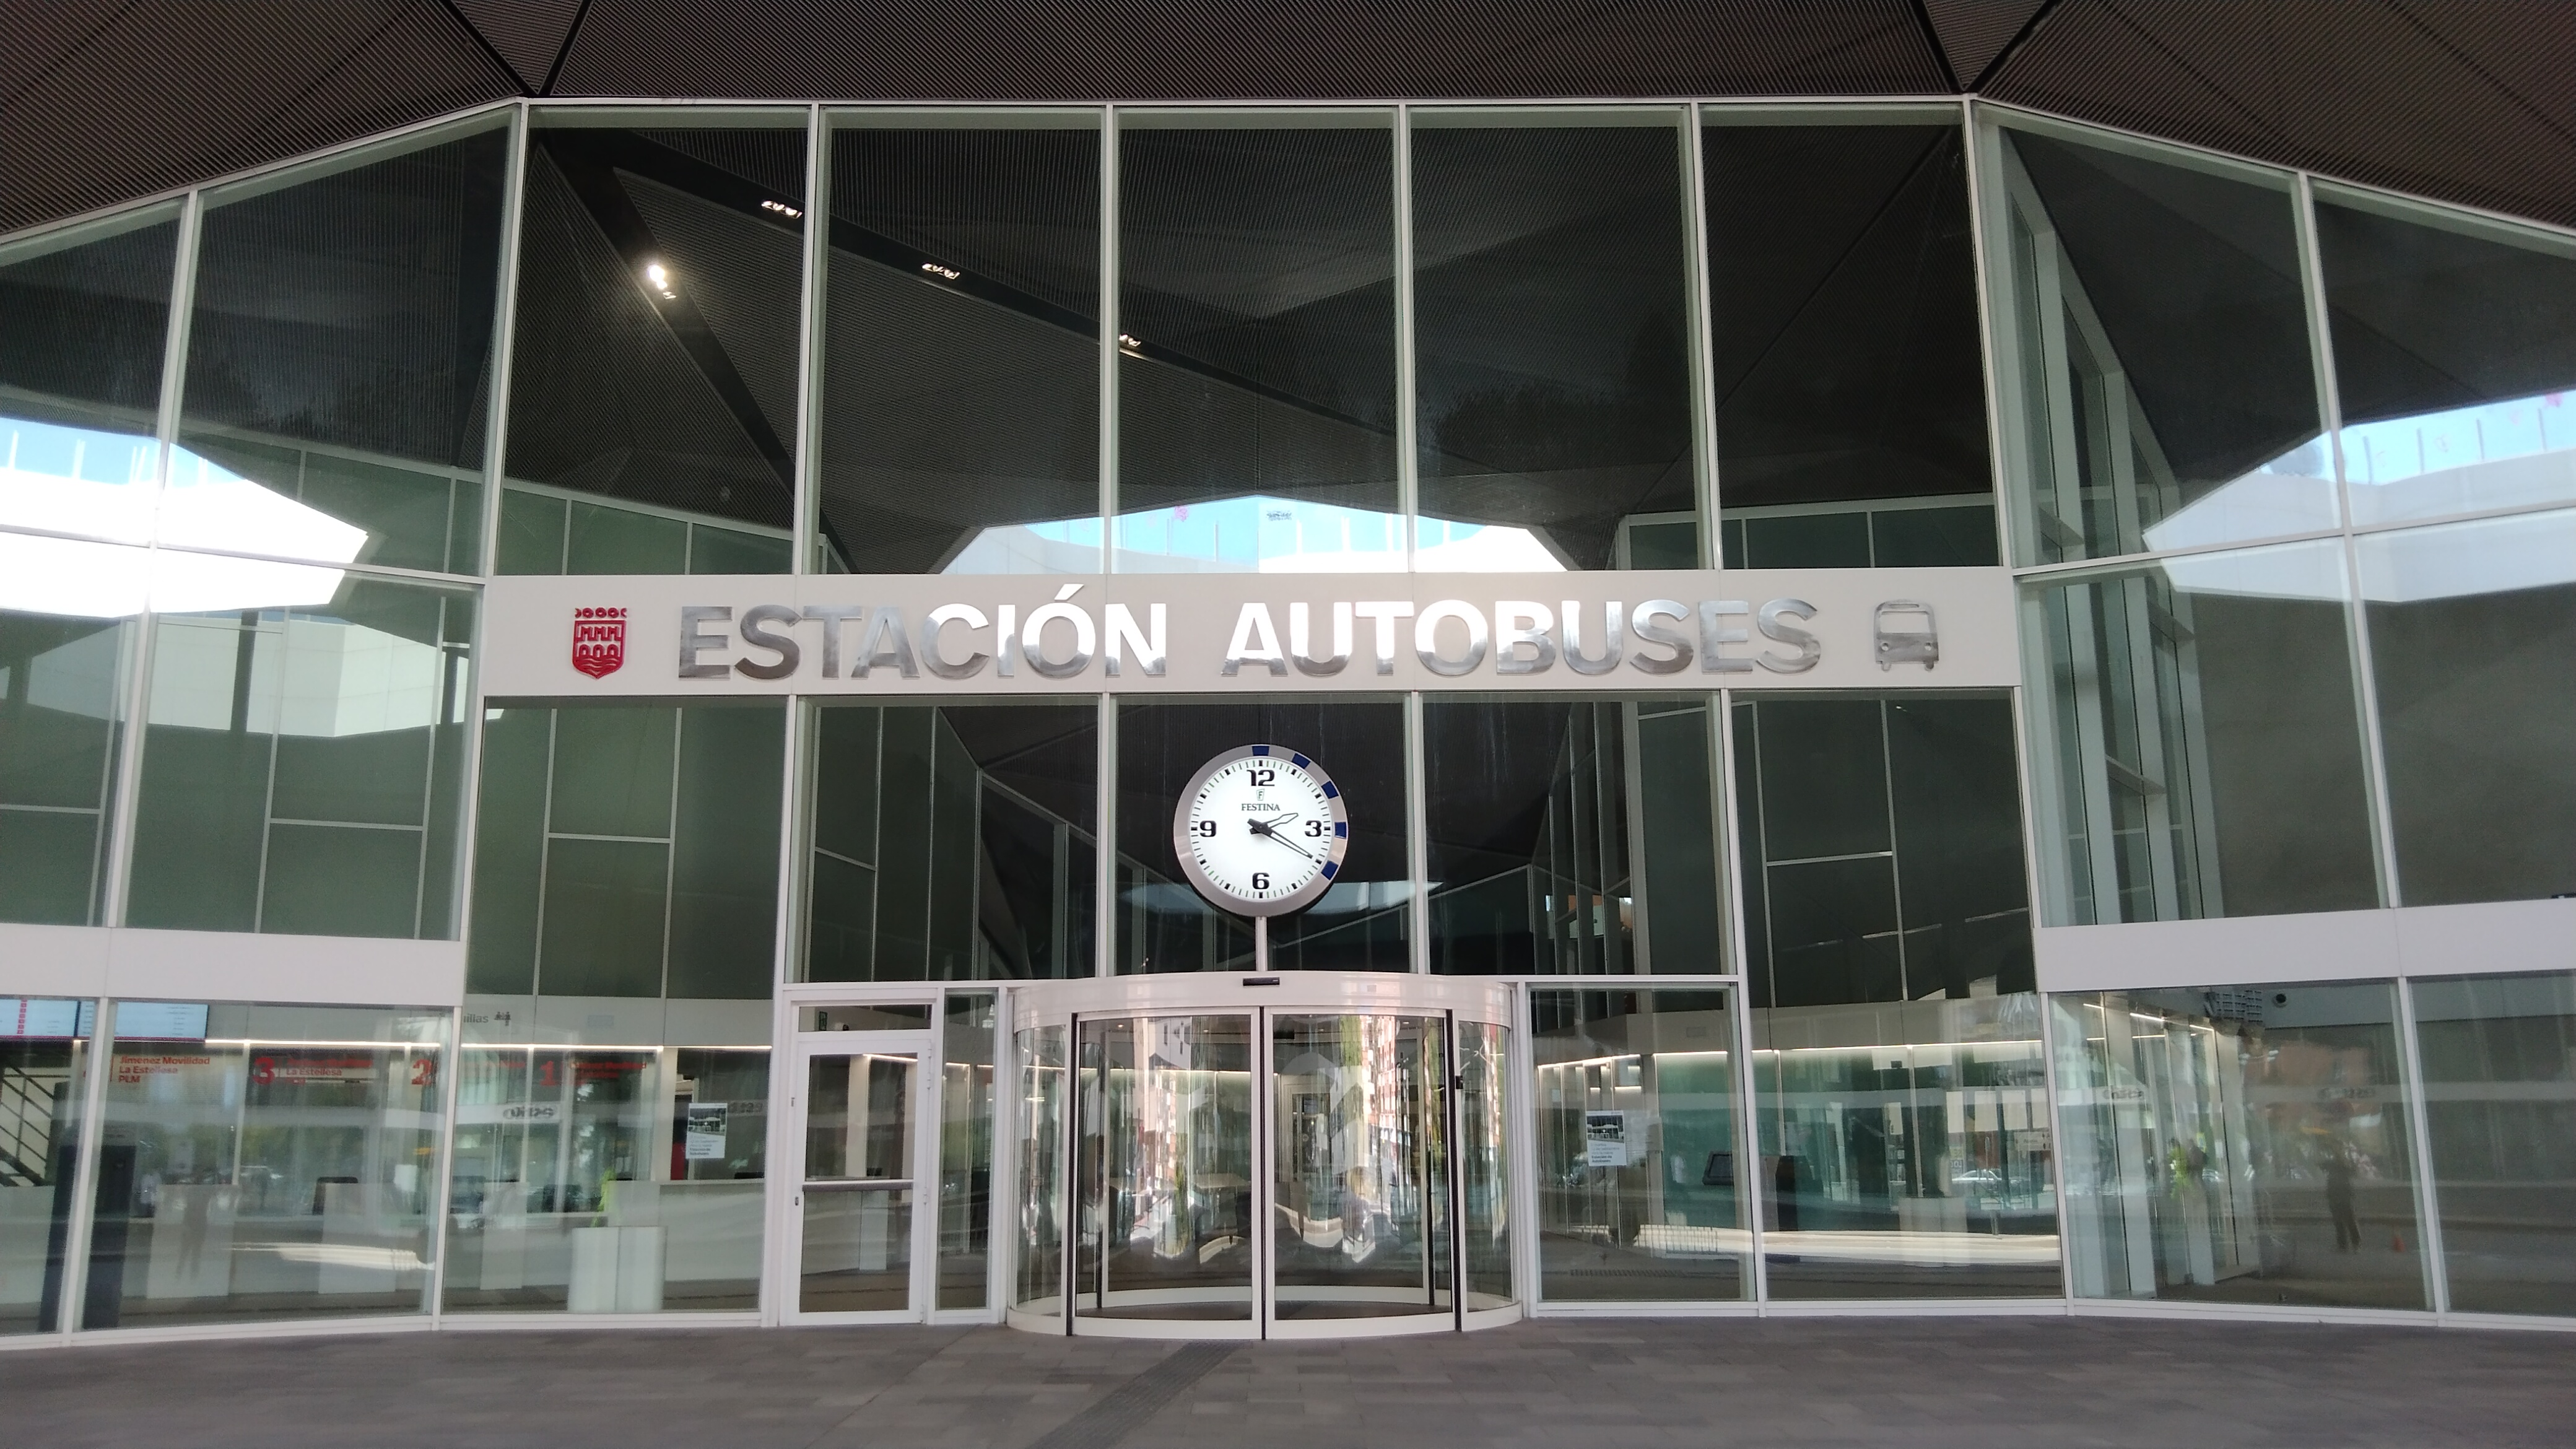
(936, 270)
(658, 277)
(782, 208)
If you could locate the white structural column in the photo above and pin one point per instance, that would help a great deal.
(805, 513)
(1702, 304)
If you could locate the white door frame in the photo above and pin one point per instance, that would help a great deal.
(787, 1217)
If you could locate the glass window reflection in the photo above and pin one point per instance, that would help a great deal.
(2153, 342)
(84, 319)
(961, 348)
(1553, 376)
(2455, 347)
(45, 1052)
(654, 362)
(2499, 1056)
(2247, 1144)
(1851, 406)
(340, 360)
(1256, 319)
(62, 713)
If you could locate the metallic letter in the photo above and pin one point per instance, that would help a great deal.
(1086, 638)
(1426, 638)
(932, 623)
(692, 642)
(755, 635)
(1149, 644)
(1653, 633)
(1510, 615)
(1810, 649)
(1300, 631)
(1713, 658)
(886, 642)
(1255, 641)
(1614, 619)
(1006, 641)
(1385, 612)
(832, 615)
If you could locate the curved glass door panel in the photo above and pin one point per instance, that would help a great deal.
(1040, 1119)
(857, 1198)
(1163, 1157)
(1361, 1192)
(1484, 1166)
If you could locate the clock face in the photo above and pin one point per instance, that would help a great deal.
(1261, 831)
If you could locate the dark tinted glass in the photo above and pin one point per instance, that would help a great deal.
(1882, 850)
(2473, 655)
(1572, 837)
(1362, 921)
(83, 320)
(961, 352)
(2499, 1057)
(1553, 371)
(2454, 348)
(2156, 342)
(1851, 403)
(655, 356)
(1256, 312)
(61, 707)
(340, 362)
(952, 842)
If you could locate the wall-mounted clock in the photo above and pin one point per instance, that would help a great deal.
(1261, 831)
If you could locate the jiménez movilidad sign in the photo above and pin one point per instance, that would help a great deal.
(1199, 633)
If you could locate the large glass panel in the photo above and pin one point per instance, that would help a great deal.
(44, 1070)
(2247, 1144)
(303, 764)
(1484, 1165)
(2196, 739)
(857, 1195)
(965, 1148)
(1551, 325)
(1640, 1199)
(261, 1162)
(84, 320)
(2454, 349)
(1163, 1190)
(1256, 319)
(2153, 342)
(653, 371)
(1362, 922)
(1038, 1117)
(603, 1177)
(2473, 655)
(340, 359)
(1903, 1140)
(2499, 1056)
(1573, 837)
(952, 842)
(961, 348)
(1843, 345)
(1360, 1167)
(62, 711)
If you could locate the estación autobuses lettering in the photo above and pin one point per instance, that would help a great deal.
(1450, 638)
(645, 635)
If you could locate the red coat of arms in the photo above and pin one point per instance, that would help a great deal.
(598, 641)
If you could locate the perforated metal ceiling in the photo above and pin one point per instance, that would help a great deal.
(104, 100)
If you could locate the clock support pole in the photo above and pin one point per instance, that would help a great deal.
(1261, 945)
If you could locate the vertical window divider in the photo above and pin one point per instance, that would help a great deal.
(1972, 156)
(444, 1162)
(2428, 1199)
(1748, 1174)
(1704, 480)
(794, 856)
(2365, 679)
(138, 690)
(1408, 454)
(1104, 859)
(73, 1295)
(671, 850)
(1417, 822)
(2026, 780)
(1108, 401)
(804, 527)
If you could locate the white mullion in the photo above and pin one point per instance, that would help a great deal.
(1104, 856)
(1703, 368)
(1748, 1159)
(805, 506)
(1417, 826)
(73, 1295)
(1408, 459)
(2428, 1200)
(1108, 310)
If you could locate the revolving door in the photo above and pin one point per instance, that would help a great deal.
(1327, 1163)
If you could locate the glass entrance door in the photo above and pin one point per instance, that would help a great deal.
(861, 1101)
(1360, 1221)
(1164, 1214)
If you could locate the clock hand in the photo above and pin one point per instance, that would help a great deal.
(1292, 845)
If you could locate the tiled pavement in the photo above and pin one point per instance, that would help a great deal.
(1993, 1383)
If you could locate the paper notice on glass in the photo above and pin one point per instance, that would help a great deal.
(706, 1140)
(1605, 1139)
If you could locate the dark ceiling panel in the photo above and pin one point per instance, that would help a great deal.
(158, 95)
(2466, 100)
(1973, 33)
(529, 34)
(1243, 49)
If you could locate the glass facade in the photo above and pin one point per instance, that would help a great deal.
(2274, 473)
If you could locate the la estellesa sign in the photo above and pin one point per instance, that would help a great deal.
(1165, 633)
